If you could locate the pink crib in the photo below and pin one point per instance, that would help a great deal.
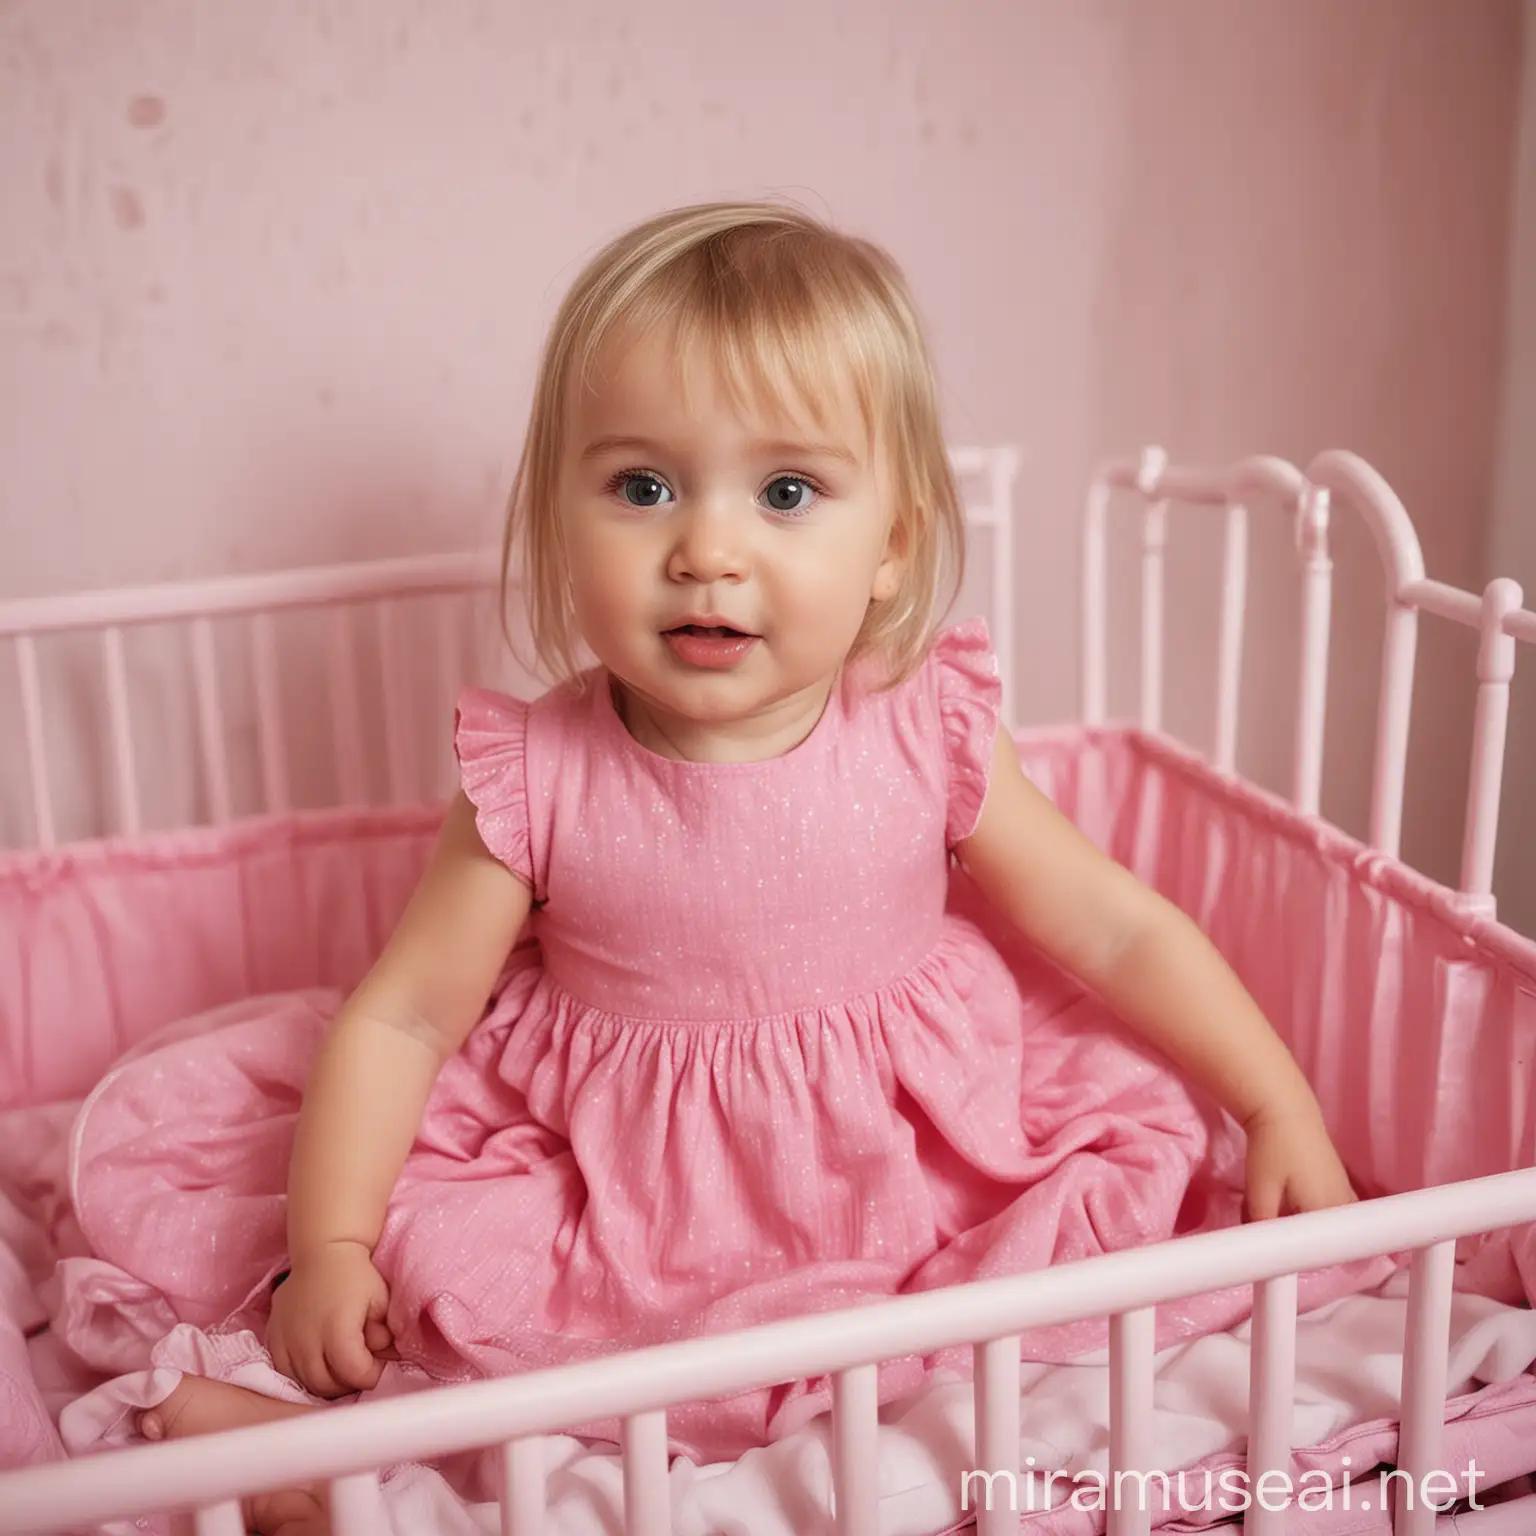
(1411, 1008)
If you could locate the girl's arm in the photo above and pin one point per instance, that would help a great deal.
(1159, 973)
(371, 1077)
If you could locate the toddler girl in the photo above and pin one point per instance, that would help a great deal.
(799, 993)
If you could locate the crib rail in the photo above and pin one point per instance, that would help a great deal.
(987, 477)
(258, 599)
(1307, 498)
(345, 1446)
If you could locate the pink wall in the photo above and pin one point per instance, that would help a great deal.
(1512, 536)
(272, 277)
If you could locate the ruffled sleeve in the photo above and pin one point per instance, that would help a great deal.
(490, 738)
(970, 705)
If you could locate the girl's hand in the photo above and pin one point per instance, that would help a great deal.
(1292, 1165)
(327, 1330)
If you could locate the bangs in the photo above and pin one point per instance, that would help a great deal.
(788, 331)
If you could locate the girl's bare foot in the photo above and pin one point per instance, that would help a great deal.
(200, 1406)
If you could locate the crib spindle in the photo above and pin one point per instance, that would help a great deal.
(1348, 477)
(355, 1506)
(1004, 467)
(210, 721)
(37, 751)
(1154, 543)
(523, 1501)
(647, 1496)
(1271, 1393)
(389, 688)
(450, 672)
(1316, 601)
(122, 728)
(220, 1519)
(996, 1391)
(1495, 669)
(1398, 650)
(269, 715)
(1229, 656)
(346, 708)
(1131, 1336)
(1426, 1363)
(855, 1450)
(1094, 615)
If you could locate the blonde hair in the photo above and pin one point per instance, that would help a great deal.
(779, 298)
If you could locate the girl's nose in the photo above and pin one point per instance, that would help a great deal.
(711, 545)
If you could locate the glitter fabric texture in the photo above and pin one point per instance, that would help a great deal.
(760, 1054)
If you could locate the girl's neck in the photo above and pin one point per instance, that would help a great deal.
(758, 738)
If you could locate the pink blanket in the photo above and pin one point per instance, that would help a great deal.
(35, 1227)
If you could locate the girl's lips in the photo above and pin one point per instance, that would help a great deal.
(716, 648)
(712, 624)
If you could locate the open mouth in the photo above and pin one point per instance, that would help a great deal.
(716, 646)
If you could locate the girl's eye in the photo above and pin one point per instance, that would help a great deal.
(789, 493)
(641, 490)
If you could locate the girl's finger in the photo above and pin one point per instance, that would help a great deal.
(314, 1373)
(349, 1358)
(1263, 1200)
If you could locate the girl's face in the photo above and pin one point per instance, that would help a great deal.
(722, 558)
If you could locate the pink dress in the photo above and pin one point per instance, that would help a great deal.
(759, 1054)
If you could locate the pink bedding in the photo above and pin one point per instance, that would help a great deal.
(35, 1228)
(103, 943)
(1393, 998)
(1347, 1377)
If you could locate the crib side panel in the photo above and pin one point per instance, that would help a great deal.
(103, 944)
(1335, 480)
(1415, 1020)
